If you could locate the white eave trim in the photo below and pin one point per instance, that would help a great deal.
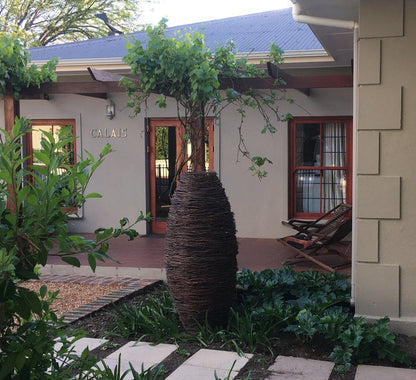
(79, 65)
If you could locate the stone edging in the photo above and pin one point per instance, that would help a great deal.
(109, 298)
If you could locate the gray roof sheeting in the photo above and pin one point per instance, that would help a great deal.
(250, 33)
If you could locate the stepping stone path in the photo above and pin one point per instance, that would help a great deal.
(290, 368)
(204, 364)
(140, 355)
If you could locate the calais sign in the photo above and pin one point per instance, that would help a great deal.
(118, 133)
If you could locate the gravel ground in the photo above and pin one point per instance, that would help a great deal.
(72, 295)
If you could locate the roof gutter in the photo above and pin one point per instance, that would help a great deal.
(313, 20)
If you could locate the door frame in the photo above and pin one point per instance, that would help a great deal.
(154, 226)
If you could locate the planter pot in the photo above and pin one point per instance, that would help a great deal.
(201, 249)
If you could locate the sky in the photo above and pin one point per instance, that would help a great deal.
(179, 12)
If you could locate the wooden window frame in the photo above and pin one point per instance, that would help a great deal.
(73, 213)
(52, 122)
(347, 120)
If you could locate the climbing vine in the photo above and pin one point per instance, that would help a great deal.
(203, 83)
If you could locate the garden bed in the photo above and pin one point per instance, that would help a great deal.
(101, 323)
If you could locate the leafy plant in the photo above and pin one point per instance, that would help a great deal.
(155, 319)
(152, 373)
(104, 372)
(249, 330)
(31, 223)
(207, 334)
(15, 72)
(228, 375)
(312, 304)
(203, 83)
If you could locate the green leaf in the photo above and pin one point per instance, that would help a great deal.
(43, 290)
(72, 261)
(22, 195)
(103, 233)
(92, 262)
(93, 195)
(30, 299)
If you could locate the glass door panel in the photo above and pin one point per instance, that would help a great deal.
(165, 138)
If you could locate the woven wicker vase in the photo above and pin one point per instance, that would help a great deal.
(201, 249)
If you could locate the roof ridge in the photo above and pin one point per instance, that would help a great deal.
(229, 18)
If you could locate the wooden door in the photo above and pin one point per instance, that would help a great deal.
(165, 145)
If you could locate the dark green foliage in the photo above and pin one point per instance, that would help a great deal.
(313, 306)
(202, 82)
(103, 372)
(15, 74)
(32, 221)
(154, 319)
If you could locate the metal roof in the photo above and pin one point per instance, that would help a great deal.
(251, 33)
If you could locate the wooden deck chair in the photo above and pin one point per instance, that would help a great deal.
(313, 239)
(307, 226)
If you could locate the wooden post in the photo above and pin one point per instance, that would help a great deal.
(11, 111)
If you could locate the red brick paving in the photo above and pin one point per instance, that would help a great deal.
(148, 252)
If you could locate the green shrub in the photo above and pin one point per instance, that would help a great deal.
(313, 304)
(310, 305)
(154, 319)
(32, 221)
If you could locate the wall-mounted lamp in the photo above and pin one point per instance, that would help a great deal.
(110, 109)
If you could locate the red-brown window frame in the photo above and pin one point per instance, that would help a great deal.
(52, 122)
(347, 120)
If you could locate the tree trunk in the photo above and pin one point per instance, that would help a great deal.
(198, 131)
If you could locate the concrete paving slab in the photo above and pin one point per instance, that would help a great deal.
(218, 359)
(370, 372)
(81, 344)
(141, 355)
(92, 343)
(143, 352)
(200, 373)
(204, 363)
(291, 368)
(76, 348)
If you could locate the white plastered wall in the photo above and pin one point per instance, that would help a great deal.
(259, 206)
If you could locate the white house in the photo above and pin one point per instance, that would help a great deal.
(312, 156)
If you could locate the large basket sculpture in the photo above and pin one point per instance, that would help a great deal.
(201, 249)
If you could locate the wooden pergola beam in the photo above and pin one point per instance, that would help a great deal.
(105, 82)
(305, 82)
(333, 81)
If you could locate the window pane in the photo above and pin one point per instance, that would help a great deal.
(37, 134)
(165, 143)
(334, 186)
(308, 191)
(308, 144)
(68, 149)
(310, 184)
(333, 144)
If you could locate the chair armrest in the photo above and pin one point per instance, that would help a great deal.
(296, 222)
(300, 225)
